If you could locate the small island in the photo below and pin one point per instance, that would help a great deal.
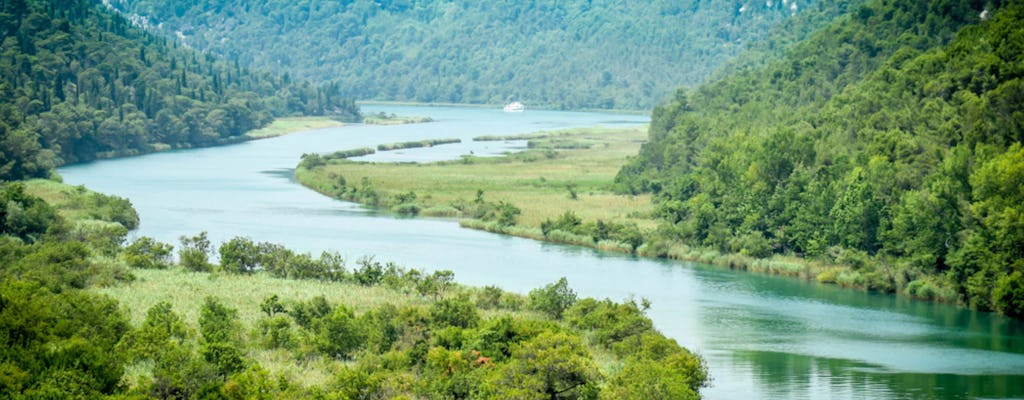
(383, 118)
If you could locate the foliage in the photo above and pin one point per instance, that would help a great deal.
(81, 83)
(148, 253)
(553, 54)
(553, 299)
(195, 251)
(875, 144)
(23, 215)
(58, 345)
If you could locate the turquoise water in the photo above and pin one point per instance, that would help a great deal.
(763, 337)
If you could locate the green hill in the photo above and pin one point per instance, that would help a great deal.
(80, 82)
(546, 53)
(889, 141)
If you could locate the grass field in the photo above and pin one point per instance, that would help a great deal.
(540, 182)
(286, 125)
(187, 291)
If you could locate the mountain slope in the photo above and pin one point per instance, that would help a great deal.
(889, 141)
(79, 82)
(557, 54)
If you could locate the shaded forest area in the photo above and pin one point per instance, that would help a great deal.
(80, 83)
(889, 142)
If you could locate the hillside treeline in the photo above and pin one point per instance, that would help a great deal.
(80, 82)
(889, 141)
(546, 53)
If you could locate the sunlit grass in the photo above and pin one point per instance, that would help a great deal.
(539, 185)
(285, 125)
(69, 201)
(187, 291)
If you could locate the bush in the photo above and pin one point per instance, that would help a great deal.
(458, 312)
(275, 332)
(553, 299)
(148, 253)
(195, 253)
(338, 334)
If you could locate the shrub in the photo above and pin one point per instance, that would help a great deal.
(458, 312)
(148, 253)
(195, 252)
(553, 299)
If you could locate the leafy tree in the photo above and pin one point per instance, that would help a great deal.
(339, 334)
(194, 254)
(457, 311)
(23, 215)
(553, 299)
(221, 331)
(148, 253)
(648, 379)
(549, 366)
(239, 255)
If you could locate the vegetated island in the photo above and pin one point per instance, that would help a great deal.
(543, 193)
(81, 305)
(383, 118)
(285, 125)
(416, 144)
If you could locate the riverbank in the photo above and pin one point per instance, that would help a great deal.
(265, 321)
(383, 118)
(286, 125)
(543, 183)
(559, 191)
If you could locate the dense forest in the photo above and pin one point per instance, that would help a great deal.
(428, 338)
(546, 53)
(80, 82)
(889, 141)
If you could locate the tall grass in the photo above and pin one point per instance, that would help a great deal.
(286, 125)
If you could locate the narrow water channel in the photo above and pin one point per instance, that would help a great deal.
(763, 337)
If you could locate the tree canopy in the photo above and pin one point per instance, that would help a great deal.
(546, 53)
(80, 83)
(889, 141)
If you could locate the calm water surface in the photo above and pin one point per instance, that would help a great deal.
(763, 337)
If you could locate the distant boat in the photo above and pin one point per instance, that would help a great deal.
(515, 106)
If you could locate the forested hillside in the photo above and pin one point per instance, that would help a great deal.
(80, 82)
(890, 141)
(546, 53)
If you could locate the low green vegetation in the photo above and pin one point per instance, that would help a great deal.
(889, 143)
(416, 144)
(87, 319)
(285, 125)
(383, 118)
(564, 175)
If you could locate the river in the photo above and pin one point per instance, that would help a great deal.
(763, 337)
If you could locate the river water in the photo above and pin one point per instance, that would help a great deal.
(763, 337)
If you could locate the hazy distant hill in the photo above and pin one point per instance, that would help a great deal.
(550, 53)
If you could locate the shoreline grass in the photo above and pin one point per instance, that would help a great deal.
(417, 144)
(286, 125)
(392, 119)
(571, 171)
(541, 182)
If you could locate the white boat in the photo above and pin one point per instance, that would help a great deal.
(515, 106)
